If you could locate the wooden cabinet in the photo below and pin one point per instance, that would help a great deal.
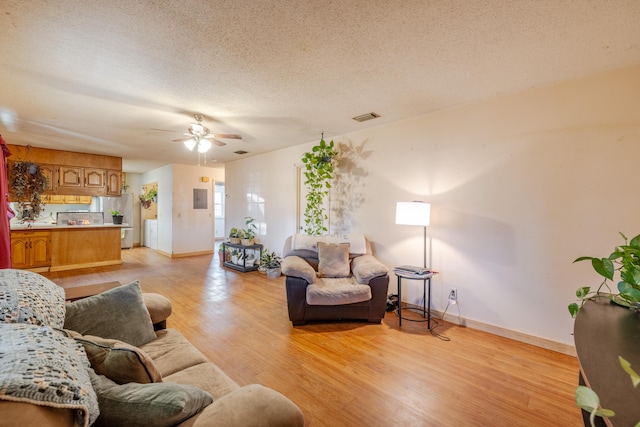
(82, 181)
(30, 249)
(51, 172)
(114, 183)
(70, 177)
(59, 199)
(94, 178)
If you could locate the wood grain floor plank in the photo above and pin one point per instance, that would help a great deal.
(350, 374)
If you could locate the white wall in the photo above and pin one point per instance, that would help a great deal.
(182, 229)
(193, 229)
(520, 186)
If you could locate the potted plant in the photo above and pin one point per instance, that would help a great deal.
(152, 195)
(249, 260)
(271, 262)
(235, 235)
(223, 254)
(27, 182)
(117, 216)
(318, 175)
(146, 204)
(235, 254)
(626, 260)
(249, 233)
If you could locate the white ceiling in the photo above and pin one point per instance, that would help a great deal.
(101, 76)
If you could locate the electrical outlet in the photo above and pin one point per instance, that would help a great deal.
(453, 295)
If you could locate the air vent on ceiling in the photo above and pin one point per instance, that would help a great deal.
(365, 117)
(241, 152)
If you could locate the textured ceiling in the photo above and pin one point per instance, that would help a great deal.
(104, 76)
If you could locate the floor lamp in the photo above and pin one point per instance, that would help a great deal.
(415, 213)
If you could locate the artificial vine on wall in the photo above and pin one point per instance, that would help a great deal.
(318, 175)
(27, 183)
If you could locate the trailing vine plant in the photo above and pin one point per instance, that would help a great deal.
(27, 183)
(318, 175)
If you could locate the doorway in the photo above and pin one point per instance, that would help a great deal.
(218, 210)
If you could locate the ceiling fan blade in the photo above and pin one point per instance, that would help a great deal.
(180, 139)
(166, 130)
(227, 135)
(218, 143)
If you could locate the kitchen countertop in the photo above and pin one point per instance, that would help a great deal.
(49, 226)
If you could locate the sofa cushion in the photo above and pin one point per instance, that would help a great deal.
(154, 405)
(42, 366)
(118, 313)
(366, 267)
(206, 376)
(27, 297)
(333, 260)
(117, 360)
(171, 352)
(297, 267)
(337, 291)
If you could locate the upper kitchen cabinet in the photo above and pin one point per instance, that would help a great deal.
(70, 177)
(74, 174)
(51, 172)
(94, 178)
(114, 183)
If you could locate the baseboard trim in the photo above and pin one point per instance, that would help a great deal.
(508, 333)
(187, 254)
(84, 265)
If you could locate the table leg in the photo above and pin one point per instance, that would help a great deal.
(399, 301)
(429, 306)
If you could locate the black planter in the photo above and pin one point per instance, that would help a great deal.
(117, 219)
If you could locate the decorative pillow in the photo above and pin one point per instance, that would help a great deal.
(366, 267)
(139, 405)
(118, 361)
(41, 366)
(297, 267)
(27, 297)
(333, 260)
(118, 313)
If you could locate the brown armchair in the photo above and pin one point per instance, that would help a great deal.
(361, 295)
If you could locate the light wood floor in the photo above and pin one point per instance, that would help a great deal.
(351, 374)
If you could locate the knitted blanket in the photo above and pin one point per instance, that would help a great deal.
(41, 366)
(27, 297)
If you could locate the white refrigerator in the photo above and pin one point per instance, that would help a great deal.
(123, 204)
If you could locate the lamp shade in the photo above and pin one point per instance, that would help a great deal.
(204, 146)
(190, 144)
(413, 213)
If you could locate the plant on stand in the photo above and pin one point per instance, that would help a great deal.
(271, 262)
(318, 175)
(235, 235)
(249, 233)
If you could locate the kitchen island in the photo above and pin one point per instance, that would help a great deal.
(50, 247)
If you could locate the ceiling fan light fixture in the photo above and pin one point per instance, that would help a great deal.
(203, 146)
(197, 129)
(190, 144)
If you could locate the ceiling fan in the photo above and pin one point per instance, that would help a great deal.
(201, 137)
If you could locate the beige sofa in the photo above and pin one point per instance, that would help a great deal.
(94, 347)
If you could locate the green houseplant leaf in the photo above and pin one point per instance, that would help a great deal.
(588, 400)
(635, 378)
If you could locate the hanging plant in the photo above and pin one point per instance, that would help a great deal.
(318, 175)
(27, 183)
